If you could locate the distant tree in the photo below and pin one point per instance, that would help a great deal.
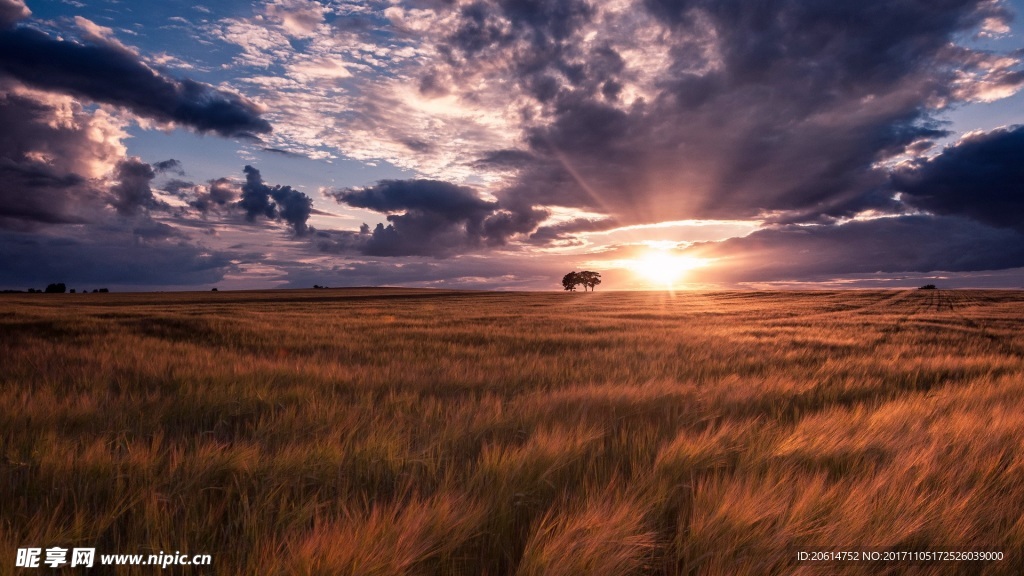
(589, 279)
(570, 281)
(213, 289)
(103, 290)
(57, 288)
(927, 287)
(72, 291)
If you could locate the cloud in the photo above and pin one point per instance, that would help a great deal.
(896, 244)
(298, 18)
(780, 107)
(353, 89)
(149, 256)
(179, 188)
(274, 202)
(452, 201)
(103, 72)
(436, 219)
(131, 191)
(217, 193)
(11, 11)
(170, 165)
(642, 111)
(700, 109)
(505, 159)
(980, 177)
(93, 33)
(494, 272)
(563, 232)
(74, 207)
(53, 157)
(62, 170)
(568, 117)
(428, 218)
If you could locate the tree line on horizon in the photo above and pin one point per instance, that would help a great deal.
(585, 278)
(53, 288)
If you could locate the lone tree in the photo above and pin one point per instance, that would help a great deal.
(56, 288)
(586, 278)
(589, 279)
(570, 281)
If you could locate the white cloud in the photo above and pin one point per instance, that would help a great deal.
(298, 18)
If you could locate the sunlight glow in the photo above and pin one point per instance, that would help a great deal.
(663, 269)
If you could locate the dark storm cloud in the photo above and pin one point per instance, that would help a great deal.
(110, 74)
(539, 33)
(44, 164)
(283, 152)
(505, 159)
(180, 188)
(565, 231)
(53, 162)
(170, 165)
(131, 191)
(437, 219)
(761, 108)
(507, 223)
(217, 193)
(151, 255)
(222, 191)
(431, 84)
(452, 201)
(152, 230)
(980, 177)
(898, 244)
(73, 207)
(19, 209)
(274, 202)
(341, 241)
(762, 39)
(544, 23)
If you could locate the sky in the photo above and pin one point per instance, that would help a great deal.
(498, 144)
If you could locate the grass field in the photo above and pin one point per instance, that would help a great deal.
(390, 431)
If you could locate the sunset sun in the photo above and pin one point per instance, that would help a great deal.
(663, 269)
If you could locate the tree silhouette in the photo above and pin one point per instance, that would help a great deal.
(58, 288)
(589, 279)
(570, 281)
(586, 278)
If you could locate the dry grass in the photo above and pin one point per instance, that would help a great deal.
(420, 432)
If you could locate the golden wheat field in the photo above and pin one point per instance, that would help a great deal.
(393, 431)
